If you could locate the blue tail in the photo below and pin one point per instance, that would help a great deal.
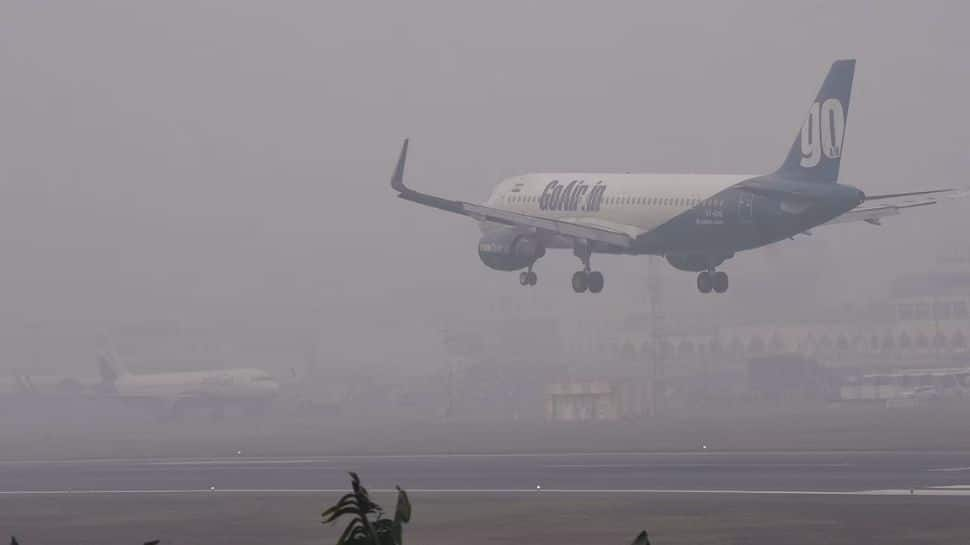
(817, 151)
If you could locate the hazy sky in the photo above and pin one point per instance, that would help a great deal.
(227, 162)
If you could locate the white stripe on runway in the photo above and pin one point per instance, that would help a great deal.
(235, 461)
(663, 465)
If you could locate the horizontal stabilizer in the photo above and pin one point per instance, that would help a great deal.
(873, 213)
(913, 194)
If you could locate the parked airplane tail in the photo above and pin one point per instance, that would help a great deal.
(109, 368)
(817, 151)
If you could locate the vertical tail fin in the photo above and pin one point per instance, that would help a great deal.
(817, 151)
(109, 368)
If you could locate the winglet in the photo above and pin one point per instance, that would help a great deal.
(397, 179)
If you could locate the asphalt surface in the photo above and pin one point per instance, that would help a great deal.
(699, 472)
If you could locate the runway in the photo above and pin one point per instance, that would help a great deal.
(680, 497)
(819, 473)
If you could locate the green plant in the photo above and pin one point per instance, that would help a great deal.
(641, 539)
(367, 525)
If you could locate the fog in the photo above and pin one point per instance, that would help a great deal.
(205, 185)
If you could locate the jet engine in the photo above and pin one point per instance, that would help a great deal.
(509, 250)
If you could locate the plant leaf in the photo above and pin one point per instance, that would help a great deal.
(346, 501)
(403, 511)
(339, 513)
(641, 539)
(348, 531)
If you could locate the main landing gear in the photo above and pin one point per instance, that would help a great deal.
(712, 280)
(586, 279)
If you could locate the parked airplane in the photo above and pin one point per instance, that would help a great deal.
(695, 221)
(250, 389)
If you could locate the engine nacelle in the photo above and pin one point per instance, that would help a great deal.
(694, 262)
(509, 250)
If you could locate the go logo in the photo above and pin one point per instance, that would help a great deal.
(822, 132)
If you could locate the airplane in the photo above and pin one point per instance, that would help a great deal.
(250, 389)
(696, 222)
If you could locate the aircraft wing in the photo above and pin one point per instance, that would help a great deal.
(614, 235)
(873, 213)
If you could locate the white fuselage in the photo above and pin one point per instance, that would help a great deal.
(641, 202)
(223, 385)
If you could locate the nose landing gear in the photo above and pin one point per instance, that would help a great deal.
(528, 277)
(716, 281)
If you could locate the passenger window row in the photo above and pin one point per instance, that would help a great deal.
(651, 201)
(639, 201)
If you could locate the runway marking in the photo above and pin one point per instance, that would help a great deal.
(236, 461)
(933, 491)
(950, 469)
(662, 465)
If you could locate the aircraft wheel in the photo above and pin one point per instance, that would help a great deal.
(720, 281)
(580, 281)
(533, 278)
(524, 278)
(595, 282)
(704, 282)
